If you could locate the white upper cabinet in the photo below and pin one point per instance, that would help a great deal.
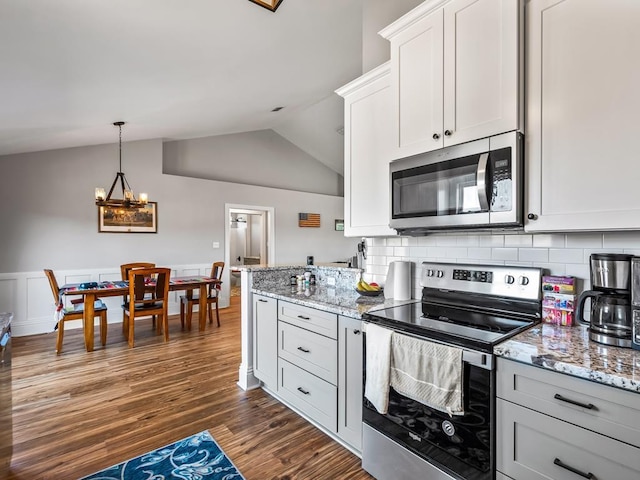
(455, 73)
(583, 101)
(367, 124)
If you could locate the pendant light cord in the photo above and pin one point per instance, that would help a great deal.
(120, 146)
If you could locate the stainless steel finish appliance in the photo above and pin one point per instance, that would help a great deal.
(610, 320)
(6, 423)
(635, 303)
(472, 307)
(475, 185)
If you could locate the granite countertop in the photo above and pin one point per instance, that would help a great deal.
(569, 350)
(345, 302)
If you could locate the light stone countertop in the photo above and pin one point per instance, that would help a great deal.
(341, 301)
(569, 350)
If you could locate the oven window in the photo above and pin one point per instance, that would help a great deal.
(447, 188)
(462, 445)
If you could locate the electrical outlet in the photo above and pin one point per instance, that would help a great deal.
(331, 281)
(216, 244)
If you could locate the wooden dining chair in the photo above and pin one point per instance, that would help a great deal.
(124, 274)
(187, 301)
(75, 313)
(148, 296)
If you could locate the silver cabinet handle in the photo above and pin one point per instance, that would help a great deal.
(559, 463)
(481, 182)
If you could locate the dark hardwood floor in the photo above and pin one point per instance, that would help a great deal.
(79, 412)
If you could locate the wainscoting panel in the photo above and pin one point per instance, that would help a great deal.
(28, 296)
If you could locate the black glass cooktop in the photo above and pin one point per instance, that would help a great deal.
(460, 327)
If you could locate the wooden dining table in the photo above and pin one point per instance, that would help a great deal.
(120, 287)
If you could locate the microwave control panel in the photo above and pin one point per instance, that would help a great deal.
(501, 181)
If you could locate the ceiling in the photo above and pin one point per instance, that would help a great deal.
(174, 70)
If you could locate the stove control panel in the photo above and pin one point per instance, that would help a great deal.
(502, 280)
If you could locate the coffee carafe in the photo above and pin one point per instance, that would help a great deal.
(610, 313)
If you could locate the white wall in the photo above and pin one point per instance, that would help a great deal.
(559, 254)
(49, 220)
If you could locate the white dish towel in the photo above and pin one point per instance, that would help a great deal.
(378, 359)
(430, 373)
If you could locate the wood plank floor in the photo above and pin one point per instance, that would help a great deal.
(79, 412)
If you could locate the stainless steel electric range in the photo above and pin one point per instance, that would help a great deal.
(471, 307)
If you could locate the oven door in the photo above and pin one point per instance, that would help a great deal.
(459, 446)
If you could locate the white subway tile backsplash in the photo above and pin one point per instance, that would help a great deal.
(556, 253)
(394, 241)
(446, 240)
(566, 255)
(555, 240)
(401, 251)
(621, 240)
(510, 254)
(457, 252)
(584, 240)
(533, 254)
(491, 240)
(518, 240)
(479, 253)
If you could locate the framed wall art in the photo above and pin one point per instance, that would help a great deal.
(128, 220)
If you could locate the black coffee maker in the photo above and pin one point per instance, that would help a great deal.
(610, 313)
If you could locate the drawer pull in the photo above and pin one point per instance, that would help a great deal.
(303, 317)
(302, 390)
(302, 349)
(261, 300)
(559, 463)
(356, 332)
(589, 406)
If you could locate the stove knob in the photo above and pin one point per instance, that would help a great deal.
(430, 273)
(523, 280)
(440, 274)
(509, 279)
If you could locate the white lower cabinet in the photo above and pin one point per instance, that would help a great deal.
(316, 357)
(265, 336)
(554, 426)
(350, 381)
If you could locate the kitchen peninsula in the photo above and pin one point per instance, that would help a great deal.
(304, 344)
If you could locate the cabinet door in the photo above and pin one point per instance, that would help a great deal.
(350, 381)
(416, 79)
(367, 132)
(533, 446)
(583, 101)
(265, 340)
(481, 69)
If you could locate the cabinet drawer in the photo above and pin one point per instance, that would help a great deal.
(312, 396)
(534, 446)
(601, 408)
(308, 350)
(324, 323)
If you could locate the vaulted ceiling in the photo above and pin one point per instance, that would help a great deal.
(174, 70)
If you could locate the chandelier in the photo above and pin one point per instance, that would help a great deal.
(128, 198)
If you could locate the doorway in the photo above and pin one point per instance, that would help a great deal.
(248, 240)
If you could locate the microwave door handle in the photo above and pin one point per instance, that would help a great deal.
(481, 181)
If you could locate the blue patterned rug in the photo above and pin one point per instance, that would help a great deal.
(198, 457)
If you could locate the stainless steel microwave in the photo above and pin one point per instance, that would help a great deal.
(475, 185)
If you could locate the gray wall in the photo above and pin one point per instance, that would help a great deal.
(48, 217)
(375, 16)
(261, 158)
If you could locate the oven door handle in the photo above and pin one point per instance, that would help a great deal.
(481, 182)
